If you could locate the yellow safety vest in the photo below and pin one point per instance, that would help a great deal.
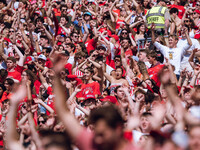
(156, 15)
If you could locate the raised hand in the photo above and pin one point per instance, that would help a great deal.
(78, 88)
(19, 94)
(153, 26)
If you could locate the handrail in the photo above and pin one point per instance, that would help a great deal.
(143, 42)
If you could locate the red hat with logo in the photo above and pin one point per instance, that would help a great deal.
(28, 59)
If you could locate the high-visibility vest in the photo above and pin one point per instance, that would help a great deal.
(156, 15)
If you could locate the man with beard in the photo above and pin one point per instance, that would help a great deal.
(107, 121)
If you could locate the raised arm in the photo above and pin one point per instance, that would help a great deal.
(60, 98)
(21, 56)
(191, 58)
(12, 135)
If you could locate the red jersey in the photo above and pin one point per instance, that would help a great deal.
(88, 90)
(90, 45)
(153, 73)
(181, 10)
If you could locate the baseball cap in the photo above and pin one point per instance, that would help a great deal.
(88, 13)
(111, 99)
(197, 11)
(102, 46)
(74, 77)
(41, 56)
(28, 59)
(115, 37)
(89, 96)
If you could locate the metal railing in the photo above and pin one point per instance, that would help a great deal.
(141, 43)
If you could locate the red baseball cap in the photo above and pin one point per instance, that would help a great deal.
(74, 77)
(89, 96)
(115, 37)
(111, 99)
(197, 11)
(28, 59)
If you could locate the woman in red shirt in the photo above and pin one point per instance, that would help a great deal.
(90, 88)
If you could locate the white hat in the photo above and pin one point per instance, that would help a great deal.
(41, 56)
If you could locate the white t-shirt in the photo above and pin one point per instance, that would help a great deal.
(184, 62)
(195, 44)
(174, 55)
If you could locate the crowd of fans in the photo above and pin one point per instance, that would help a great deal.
(100, 74)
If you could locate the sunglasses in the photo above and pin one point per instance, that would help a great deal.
(193, 13)
(76, 36)
(187, 21)
(79, 57)
(12, 31)
(64, 9)
(23, 106)
(117, 60)
(124, 32)
(197, 4)
(43, 122)
(94, 55)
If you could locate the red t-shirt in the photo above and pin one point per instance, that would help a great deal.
(89, 89)
(48, 63)
(15, 75)
(181, 10)
(50, 101)
(68, 66)
(90, 45)
(153, 73)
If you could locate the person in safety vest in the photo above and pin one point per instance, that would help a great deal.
(159, 15)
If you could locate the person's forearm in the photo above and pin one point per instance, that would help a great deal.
(74, 16)
(63, 111)
(180, 81)
(23, 120)
(21, 56)
(191, 60)
(95, 64)
(85, 111)
(34, 133)
(188, 39)
(37, 47)
(153, 36)
(29, 95)
(193, 80)
(111, 16)
(11, 129)
(49, 36)
(172, 75)
(24, 36)
(127, 18)
(166, 26)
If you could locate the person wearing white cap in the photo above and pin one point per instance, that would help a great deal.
(41, 63)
